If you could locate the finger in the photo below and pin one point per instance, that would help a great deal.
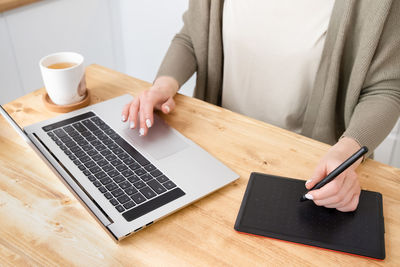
(330, 189)
(125, 112)
(146, 112)
(354, 190)
(133, 112)
(168, 106)
(318, 175)
(344, 194)
(352, 204)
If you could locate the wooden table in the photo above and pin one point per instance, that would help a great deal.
(43, 224)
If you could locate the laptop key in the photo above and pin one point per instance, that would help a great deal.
(156, 186)
(90, 125)
(71, 157)
(104, 126)
(140, 171)
(111, 157)
(139, 185)
(100, 175)
(84, 158)
(116, 162)
(82, 143)
(119, 179)
(123, 156)
(134, 166)
(114, 202)
(146, 177)
(81, 167)
(124, 198)
(132, 151)
(129, 205)
(113, 173)
(111, 186)
(80, 154)
(97, 157)
(138, 198)
(108, 168)
(87, 173)
(133, 179)
(125, 184)
(87, 148)
(127, 173)
(68, 129)
(77, 162)
(79, 127)
(91, 178)
(105, 152)
(108, 195)
(150, 168)
(117, 192)
(147, 192)
(102, 189)
(156, 173)
(105, 180)
(95, 169)
(102, 163)
(92, 152)
(128, 161)
(60, 133)
(90, 164)
(121, 167)
(97, 183)
(162, 179)
(169, 184)
(120, 208)
(130, 191)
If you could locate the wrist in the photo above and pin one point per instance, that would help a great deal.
(166, 85)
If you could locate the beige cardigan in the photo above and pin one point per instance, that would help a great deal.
(357, 88)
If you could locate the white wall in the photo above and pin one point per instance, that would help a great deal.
(148, 28)
(130, 36)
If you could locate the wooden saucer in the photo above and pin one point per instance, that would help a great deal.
(65, 108)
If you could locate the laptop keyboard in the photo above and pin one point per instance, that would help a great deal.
(125, 177)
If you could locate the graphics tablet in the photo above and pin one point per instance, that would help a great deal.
(271, 208)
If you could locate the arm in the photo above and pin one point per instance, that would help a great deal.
(178, 66)
(375, 114)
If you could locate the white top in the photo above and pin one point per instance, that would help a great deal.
(272, 51)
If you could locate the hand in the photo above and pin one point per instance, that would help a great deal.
(159, 96)
(344, 191)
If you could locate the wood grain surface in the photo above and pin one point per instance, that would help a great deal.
(42, 223)
(11, 4)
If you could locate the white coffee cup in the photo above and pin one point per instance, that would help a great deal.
(64, 77)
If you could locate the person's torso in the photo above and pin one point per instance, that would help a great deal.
(272, 51)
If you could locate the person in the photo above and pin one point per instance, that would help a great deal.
(329, 70)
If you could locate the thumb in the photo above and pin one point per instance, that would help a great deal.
(168, 106)
(318, 175)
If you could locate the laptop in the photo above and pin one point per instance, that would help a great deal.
(125, 180)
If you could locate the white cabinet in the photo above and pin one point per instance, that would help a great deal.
(46, 27)
(10, 85)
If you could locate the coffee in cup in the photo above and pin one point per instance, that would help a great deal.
(64, 77)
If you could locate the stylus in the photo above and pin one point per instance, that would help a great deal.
(332, 175)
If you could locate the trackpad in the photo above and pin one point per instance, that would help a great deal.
(160, 142)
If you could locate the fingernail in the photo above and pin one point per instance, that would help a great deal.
(309, 181)
(167, 109)
(123, 118)
(132, 125)
(309, 196)
(148, 123)
(141, 132)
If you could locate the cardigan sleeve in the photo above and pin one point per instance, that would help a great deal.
(378, 108)
(180, 61)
